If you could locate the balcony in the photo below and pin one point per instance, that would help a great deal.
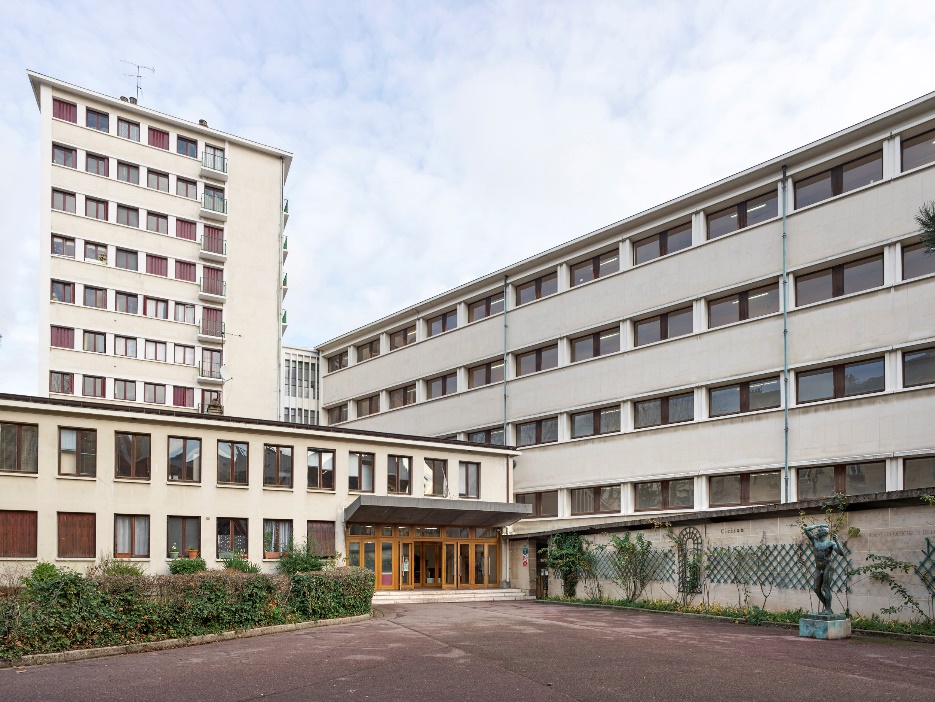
(210, 408)
(285, 248)
(214, 167)
(285, 285)
(284, 323)
(212, 290)
(213, 207)
(214, 248)
(285, 213)
(211, 332)
(210, 373)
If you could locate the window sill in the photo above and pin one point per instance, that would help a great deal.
(87, 478)
(322, 491)
(234, 486)
(363, 492)
(184, 483)
(76, 559)
(19, 473)
(277, 488)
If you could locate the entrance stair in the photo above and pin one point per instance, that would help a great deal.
(424, 596)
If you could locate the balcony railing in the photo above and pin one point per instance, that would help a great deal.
(212, 328)
(214, 203)
(210, 408)
(285, 280)
(285, 206)
(284, 316)
(214, 244)
(209, 369)
(214, 162)
(213, 286)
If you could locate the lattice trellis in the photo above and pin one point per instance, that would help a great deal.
(926, 568)
(661, 565)
(789, 566)
(691, 555)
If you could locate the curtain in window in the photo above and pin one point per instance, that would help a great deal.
(63, 337)
(184, 229)
(141, 537)
(157, 265)
(122, 534)
(158, 138)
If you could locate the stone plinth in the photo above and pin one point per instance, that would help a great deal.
(825, 626)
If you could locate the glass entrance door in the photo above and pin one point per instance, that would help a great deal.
(406, 566)
(486, 566)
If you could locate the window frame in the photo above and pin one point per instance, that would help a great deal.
(393, 466)
(446, 324)
(232, 468)
(488, 436)
(538, 424)
(370, 348)
(100, 206)
(464, 471)
(98, 341)
(595, 262)
(406, 390)
(596, 496)
(741, 210)
(370, 404)
(905, 352)
(101, 120)
(101, 163)
(836, 174)
(404, 334)
(68, 198)
(838, 380)
(338, 361)
(133, 527)
(67, 287)
(663, 242)
(664, 413)
(189, 186)
(124, 384)
(595, 343)
(446, 380)
(130, 124)
(536, 504)
(537, 284)
(596, 421)
(131, 169)
(184, 521)
(155, 388)
(187, 142)
(342, 416)
(235, 526)
(195, 479)
(486, 303)
(70, 110)
(123, 299)
(128, 216)
(837, 279)
(98, 293)
(487, 369)
(68, 154)
(745, 396)
(98, 382)
(744, 489)
(538, 352)
(320, 474)
(435, 464)
(663, 326)
(67, 381)
(840, 478)
(664, 494)
(64, 241)
(363, 458)
(743, 305)
(19, 448)
(911, 248)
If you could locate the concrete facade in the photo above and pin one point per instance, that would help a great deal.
(186, 241)
(300, 385)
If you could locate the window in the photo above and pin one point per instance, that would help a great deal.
(125, 390)
(153, 307)
(63, 201)
(19, 447)
(399, 475)
(128, 173)
(157, 180)
(544, 504)
(840, 179)
(485, 374)
(744, 489)
(403, 337)
(62, 383)
(153, 393)
(127, 259)
(184, 313)
(18, 534)
(185, 355)
(63, 246)
(665, 494)
(486, 436)
(443, 385)
(664, 326)
(95, 252)
(158, 138)
(155, 350)
(469, 479)
(743, 305)
(131, 536)
(839, 280)
(541, 431)
(841, 380)
(211, 400)
(918, 472)
(664, 410)
(662, 244)
(97, 120)
(128, 130)
(369, 405)
(214, 158)
(64, 110)
(97, 165)
(156, 222)
(277, 466)
(400, 397)
(92, 386)
(277, 535)
(64, 156)
(435, 477)
(214, 199)
(182, 396)
(442, 323)
(599, 421)
(847, 479)
(321, 537)
(184, 459)
(96, 209)
(918, 367)
(232, 462)
(63, 292)
(77, 535)
(231, 537)
(597, 344)
(538, 360)
(594, 268)
(337, 362)
(127, 302)
(369, 350)
(360, 472)
(185, 271)
(743, 214)
(542, 286)
(596, 500)
(128, 217)
(187, 230)
(320, 469)
(918, 150)
(490, 305)
(184, 533)
(337, 414)
(186, 147)
(744, 397)
(95, 342)
(63, 337)
(916, 262)
(186, 188)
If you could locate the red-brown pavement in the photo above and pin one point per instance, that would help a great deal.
(501, 651)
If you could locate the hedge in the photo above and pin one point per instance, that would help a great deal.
(67, 610)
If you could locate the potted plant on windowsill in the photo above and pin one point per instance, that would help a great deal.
(174, 552)
(268, 551)
(193, 553)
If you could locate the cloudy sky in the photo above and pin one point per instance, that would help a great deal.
(436, 142)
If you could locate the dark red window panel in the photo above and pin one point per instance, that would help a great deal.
(158, 138)
(18, 534)
(183, 397)
(76, 535)
(157, 265)
(63, 337)
(185, 229)
(185, 271)
(64, 110)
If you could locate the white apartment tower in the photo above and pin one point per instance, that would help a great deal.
(161, 257)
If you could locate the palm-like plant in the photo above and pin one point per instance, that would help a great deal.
(926, 221)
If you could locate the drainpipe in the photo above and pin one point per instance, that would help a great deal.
(785, 344)
(279, 379)
(504, 356)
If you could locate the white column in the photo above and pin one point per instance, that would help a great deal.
(384, 400)
(626, 416)
(564, 351)
(628, 498)
(626, 254)
(351, 355)
(627, 337)
(791, 390)
(701, 492)
(892, 371)
(564, 426)
(790, 196)
(421, 331)
(564, 277)
(420, 391)
(384, 342)
(891, 157)
(790, 291)
(701, 403)
(894, 476)
(564, 502)
(462, 379)
(892, 264)
(462, 310)
(699, 317)
(699, 228)
(351, 409)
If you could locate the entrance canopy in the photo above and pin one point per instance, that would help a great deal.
(390, 509)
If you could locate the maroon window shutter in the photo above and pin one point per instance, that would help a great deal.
(322, 535)
(76, 535)
(214, 280)
(185, 271)
(185, 229)
(157, 265)
(158, 138)
(63, 337)
(18, 534)
(183, 397)
(214, 239)
(64, 110)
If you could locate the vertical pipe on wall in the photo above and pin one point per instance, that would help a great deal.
(282, 228)
(505, 278)
(785, 346)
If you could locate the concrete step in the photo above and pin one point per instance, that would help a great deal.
(381, 597)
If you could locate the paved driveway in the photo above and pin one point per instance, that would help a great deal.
(500, 651)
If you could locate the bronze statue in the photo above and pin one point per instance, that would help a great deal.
(825, 549)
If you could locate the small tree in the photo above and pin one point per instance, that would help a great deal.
(926, 221)
(566, 553)
(631, 562)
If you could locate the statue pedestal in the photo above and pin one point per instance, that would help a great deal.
(825, 626)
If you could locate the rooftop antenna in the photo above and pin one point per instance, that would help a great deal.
(138, 76)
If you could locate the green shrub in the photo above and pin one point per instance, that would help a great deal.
(115, 566)
(187, 565)
(300, 559)
(343, 592)
(241, 564)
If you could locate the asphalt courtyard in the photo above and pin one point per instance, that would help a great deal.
(500, 651)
